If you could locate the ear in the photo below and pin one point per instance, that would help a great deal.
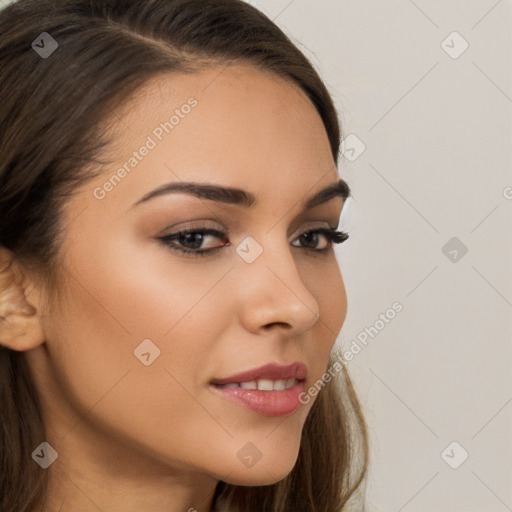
(20, 325)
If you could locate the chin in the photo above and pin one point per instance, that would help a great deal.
(259, 478)
(264, 472)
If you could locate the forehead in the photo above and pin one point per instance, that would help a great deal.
(227, 84)
(233, 125)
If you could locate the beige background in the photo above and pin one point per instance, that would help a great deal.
(436, 127)
(437, 165)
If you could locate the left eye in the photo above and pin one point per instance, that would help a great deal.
(191, 240)
(310, 238)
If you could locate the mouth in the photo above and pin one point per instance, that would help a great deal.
(270, 390)
(263, 384)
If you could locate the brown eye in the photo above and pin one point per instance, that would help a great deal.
(190, 241)
(310, 238)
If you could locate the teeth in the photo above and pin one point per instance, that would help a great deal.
(264, 384)
(280, 384)
(249, 385)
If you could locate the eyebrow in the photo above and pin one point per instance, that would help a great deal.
(239, 197)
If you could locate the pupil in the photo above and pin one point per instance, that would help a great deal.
(188, 238)
(310, 237)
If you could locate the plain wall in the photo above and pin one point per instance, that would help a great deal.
(436, 165)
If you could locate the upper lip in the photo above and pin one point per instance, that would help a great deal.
(271, 371)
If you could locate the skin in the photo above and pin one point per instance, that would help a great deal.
(155, 438)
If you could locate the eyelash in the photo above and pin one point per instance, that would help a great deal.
(331, 234)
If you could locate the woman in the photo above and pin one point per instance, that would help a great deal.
(169, 292)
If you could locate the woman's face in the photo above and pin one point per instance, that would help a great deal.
(142, 330)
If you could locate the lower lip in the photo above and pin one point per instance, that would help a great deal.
(267, 403)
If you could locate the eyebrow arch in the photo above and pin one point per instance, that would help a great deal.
(239, 197)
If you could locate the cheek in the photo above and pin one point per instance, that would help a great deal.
(138, 290)
(112, 302)
(333, 296)
(326, 284)
(101, 322)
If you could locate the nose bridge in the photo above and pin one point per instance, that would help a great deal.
(272, 288)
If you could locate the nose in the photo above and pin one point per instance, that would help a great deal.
(272, 293)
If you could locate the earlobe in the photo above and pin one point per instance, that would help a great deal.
(20, 326)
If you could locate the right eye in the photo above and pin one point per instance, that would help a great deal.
(188, 241)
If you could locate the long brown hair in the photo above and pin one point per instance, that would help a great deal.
(50, 143)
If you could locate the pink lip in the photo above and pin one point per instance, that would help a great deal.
(267, 403)
(270, 371)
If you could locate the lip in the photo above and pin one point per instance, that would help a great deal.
(265, 402)
(272, 371)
